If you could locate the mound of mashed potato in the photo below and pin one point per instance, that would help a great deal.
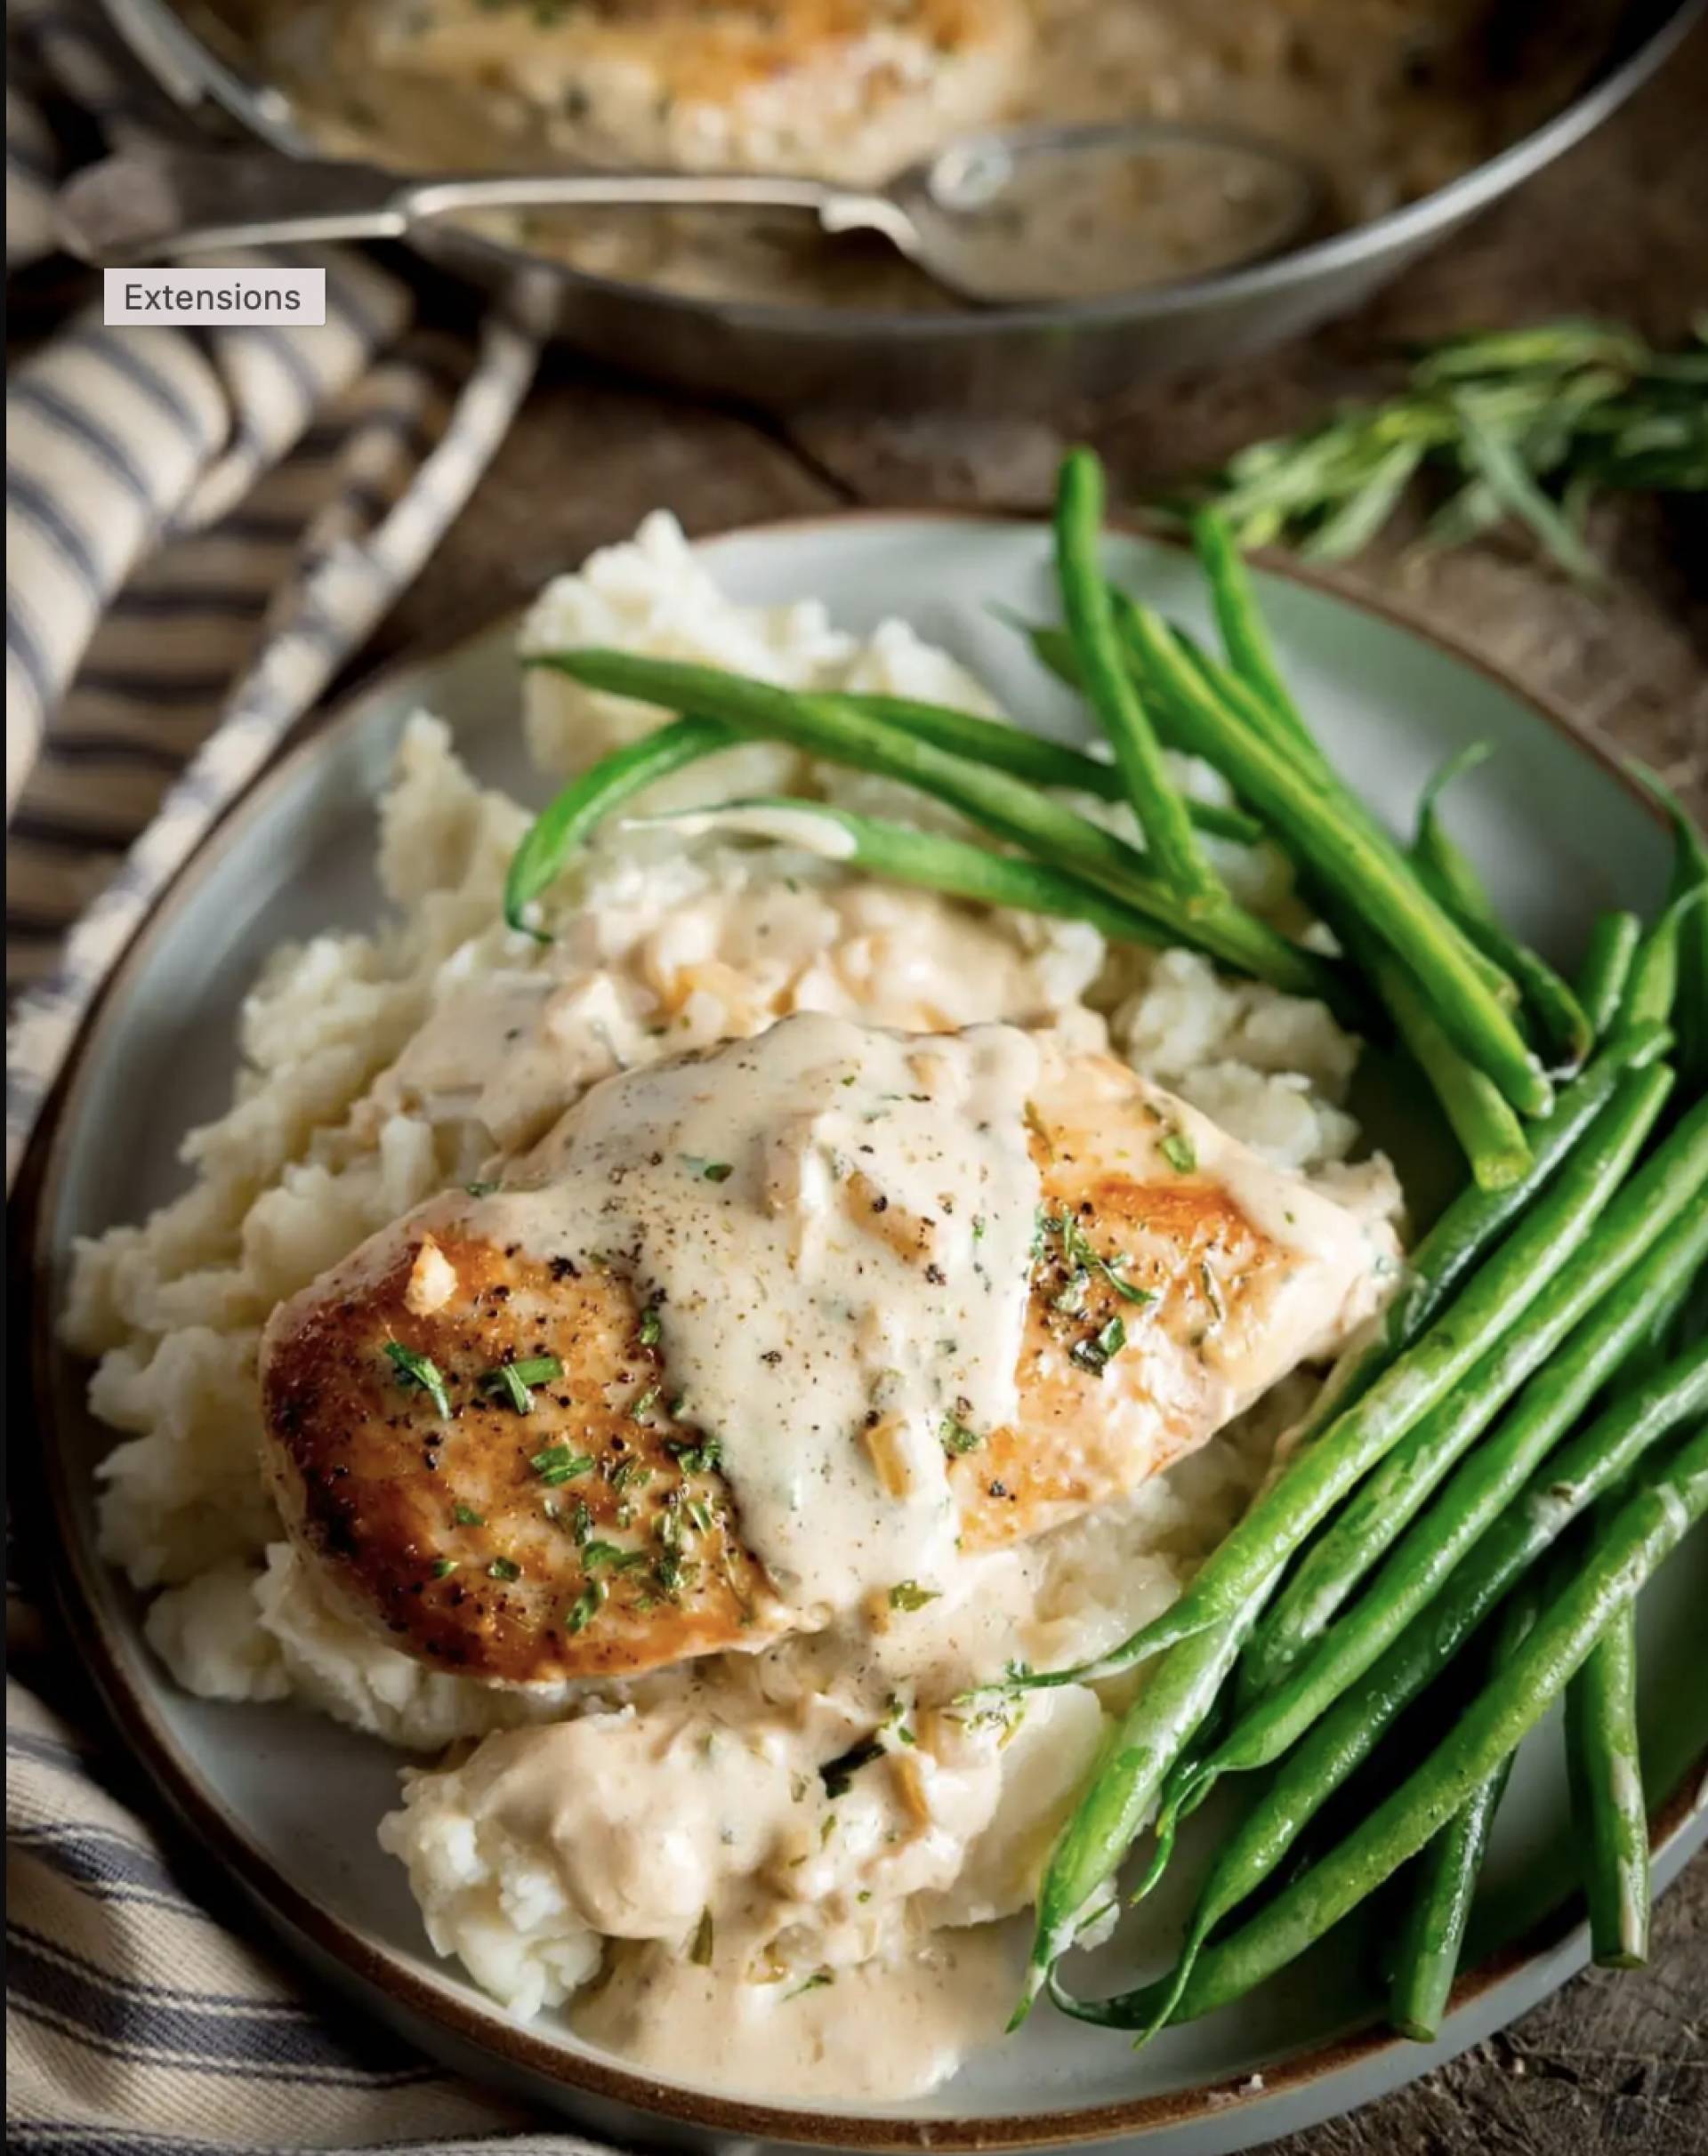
(670, 1835)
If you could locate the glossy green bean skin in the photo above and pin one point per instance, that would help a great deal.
(825, 726)
(1652, 987)
(1319, 1478)
(1244, 634)
(1144, 1745)
(570, 818)
(1492, 1478)
(1024, 754)
(1375, 1515)
(1489, 1134)
(1574, 1478)
(1432, 1935)
(1109, 688)
(1607, 968)
(1338, 851)
(1609, 1812)
(930, 860)
(1621, 1560)
(1689, 875)
(1459, 890)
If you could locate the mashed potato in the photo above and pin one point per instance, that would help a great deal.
(356, 1096)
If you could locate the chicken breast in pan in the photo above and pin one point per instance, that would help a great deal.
(756, 1338)
(845, 88)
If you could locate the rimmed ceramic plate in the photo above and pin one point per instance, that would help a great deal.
(288, 1802)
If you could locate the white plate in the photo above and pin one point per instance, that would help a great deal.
(289, 1802)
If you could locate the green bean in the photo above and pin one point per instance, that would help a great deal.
(1317, 1478)
(1606, 967)
(1593, 1462)
(1689, 874)
(1652, 987)
(1015, 811)
(1432, 1936)
(1015, 749)
(1489, 1134)
(1110, 689)
(1459, 891)
(1668, 1184)
(1489, 1480)
(1247, 704)
(1145, 1743)
(1619, 1562)
(1339, 852)
(1244, 634)
(1459, 1237)
(571, 817)
(1609, 1816)
(900, 853)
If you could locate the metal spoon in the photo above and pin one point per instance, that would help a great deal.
(1035, 213)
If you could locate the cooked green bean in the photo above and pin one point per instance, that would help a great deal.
(1490, 1135)
(1110, 689)
(571, 817)
(1339, 853)
(1689, 873)
(900, 853)
(1606, 967)
(1432, 1936)
(1652, 987)
(1609, 1815)
(1459, 891)
(1028, 755)
(1144, 1745)
(1621, 1560)
(1491, 1478)
(1595, 1461)
(1317, 1478)
(1604, 1265)
(1248, 704)
(827, 727)
(1459, 1237)
(1244, 633)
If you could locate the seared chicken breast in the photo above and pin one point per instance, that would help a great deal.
(845, 88)
(748, 1333)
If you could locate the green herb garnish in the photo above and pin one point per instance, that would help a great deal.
(1178, 1151)
(708, 1171)
(704, 1939)
(697, 1458)
(503, 1568)
(650, 1326)
(956, 1438)
(445, 1567)
(1096, 1352)
(465, 1516)
(909, 1595)
(558, 1463)
(419, 1374)
(585, 1607)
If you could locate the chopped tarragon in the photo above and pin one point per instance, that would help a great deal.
(561, 1463)
(1096, 1352)
(909, 1595)
(1178, 1151)
(419, 1374)
(585, 1607)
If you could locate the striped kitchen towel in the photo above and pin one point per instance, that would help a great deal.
(202, 526)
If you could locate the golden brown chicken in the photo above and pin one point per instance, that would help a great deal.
(760, 1336)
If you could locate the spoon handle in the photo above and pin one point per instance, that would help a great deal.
(142, 204)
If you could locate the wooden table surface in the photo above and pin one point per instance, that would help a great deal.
(1617, 228)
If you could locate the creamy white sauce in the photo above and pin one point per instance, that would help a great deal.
(836, 1225)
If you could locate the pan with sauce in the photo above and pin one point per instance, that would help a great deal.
(1389, 99)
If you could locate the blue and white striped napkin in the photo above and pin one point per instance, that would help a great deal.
(202, 528)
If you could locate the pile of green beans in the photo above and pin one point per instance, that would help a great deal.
(1540, 1368)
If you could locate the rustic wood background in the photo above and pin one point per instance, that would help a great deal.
(1619, 229)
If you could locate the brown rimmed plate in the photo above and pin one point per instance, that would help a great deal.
(287, 1802)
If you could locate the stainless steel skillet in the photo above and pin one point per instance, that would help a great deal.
(1007, 358)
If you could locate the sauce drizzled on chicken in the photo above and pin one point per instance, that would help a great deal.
(754, 1339)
